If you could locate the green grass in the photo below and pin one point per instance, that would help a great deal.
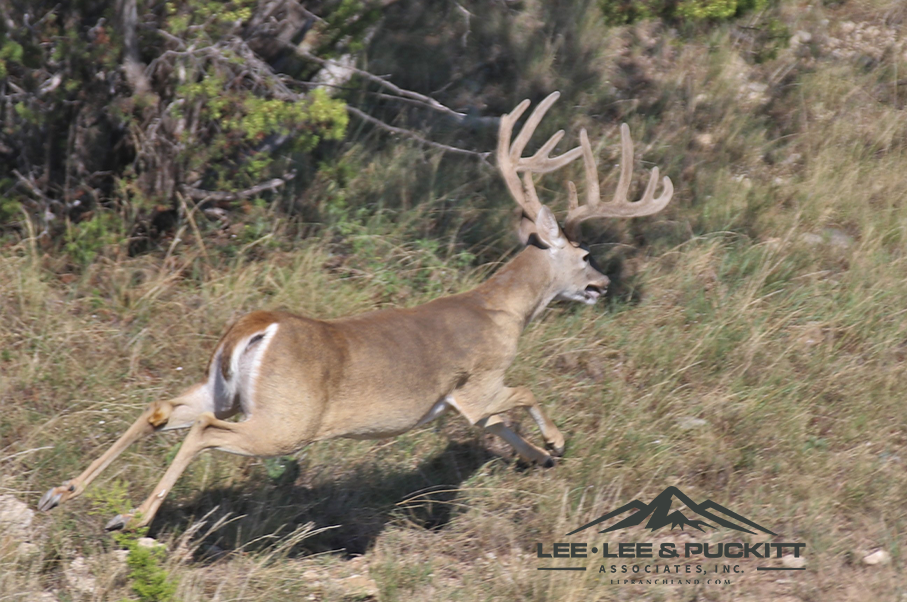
(766, 301)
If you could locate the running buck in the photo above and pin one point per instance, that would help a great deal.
(298, 380)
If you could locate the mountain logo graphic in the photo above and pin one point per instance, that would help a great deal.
(658, 511)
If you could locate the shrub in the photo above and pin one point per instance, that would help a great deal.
(620, 12)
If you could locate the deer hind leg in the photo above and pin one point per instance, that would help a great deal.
(245, 438)
(180, 412)
(522, 397)
(509, 398)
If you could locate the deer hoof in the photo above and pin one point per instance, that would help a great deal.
(556, 450)
(54, 496)
(50, 500)
(548, 463)
(118, 522)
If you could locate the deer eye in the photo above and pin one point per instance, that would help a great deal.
(586, 258)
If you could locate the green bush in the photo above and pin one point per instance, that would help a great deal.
(212, 106)
(148, 578)
(150, 581)
(87, 239)
(621, 12)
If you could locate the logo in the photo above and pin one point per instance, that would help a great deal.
(659, 510)
(672, 563)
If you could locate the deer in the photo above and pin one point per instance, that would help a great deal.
(296, 380)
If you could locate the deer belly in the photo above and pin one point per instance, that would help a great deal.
(385, 420)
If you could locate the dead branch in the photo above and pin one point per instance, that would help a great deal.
(30, 183)
(198, 194)
(261, 72)
(426, 101)
(410, 134)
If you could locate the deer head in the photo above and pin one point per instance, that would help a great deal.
(575, 276)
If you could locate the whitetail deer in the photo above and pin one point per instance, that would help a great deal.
(298, 380)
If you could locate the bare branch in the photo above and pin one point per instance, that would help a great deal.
(410, 134)
(210, 195)
(249, 55)
(179, 42)
(426, 101)
(33, 186)
(278, 87)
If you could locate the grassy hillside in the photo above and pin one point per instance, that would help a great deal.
(752, 352)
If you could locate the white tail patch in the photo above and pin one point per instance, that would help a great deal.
(238, 389)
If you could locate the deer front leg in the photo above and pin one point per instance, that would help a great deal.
(522, 397)
(529, 452)
(483, 409)
(554, 440)
(156, 415)
(207, 432)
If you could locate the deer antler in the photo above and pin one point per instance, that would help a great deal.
(619, 207)
(511, 163)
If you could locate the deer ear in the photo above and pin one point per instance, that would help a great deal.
(547, 230)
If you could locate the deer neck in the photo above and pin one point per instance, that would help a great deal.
(523, 287)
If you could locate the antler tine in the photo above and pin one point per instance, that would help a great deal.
(619, 207)
(505, 163)
(626, 165)
(510, 159)
(537, 162)
(593, 196)
(540, 162)
(572, 199)
(535, 118)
